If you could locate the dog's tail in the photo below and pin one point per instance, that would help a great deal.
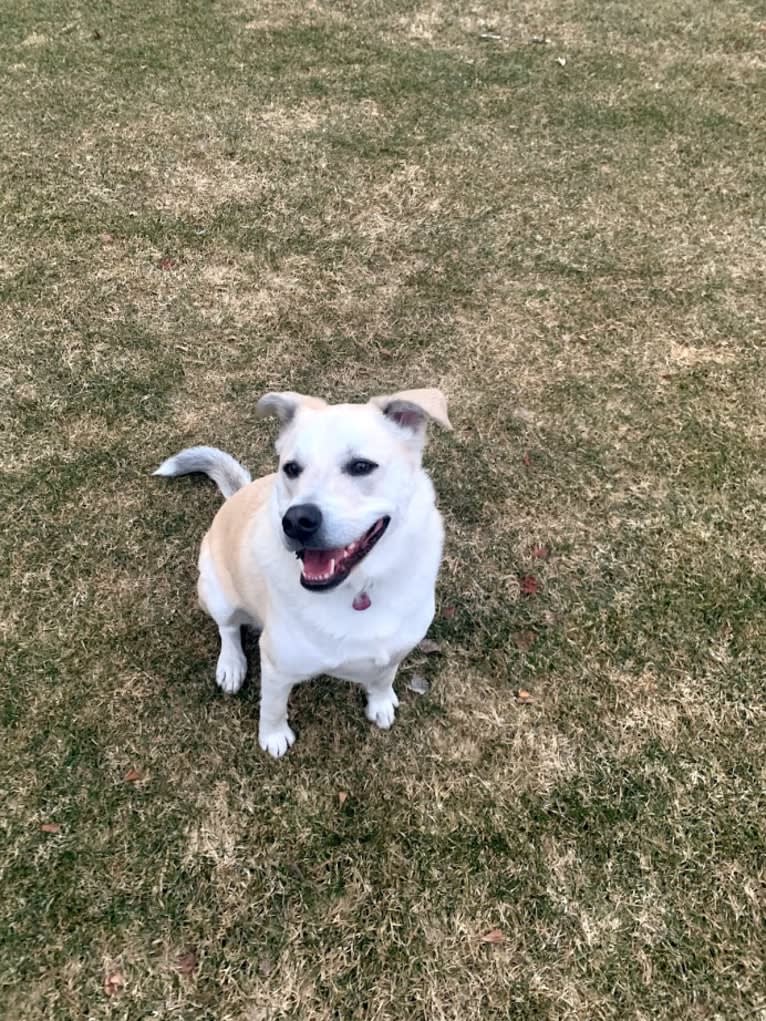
(227, 473)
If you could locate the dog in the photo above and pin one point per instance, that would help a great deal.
(333, 558)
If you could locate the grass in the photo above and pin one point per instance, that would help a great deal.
(203, 202)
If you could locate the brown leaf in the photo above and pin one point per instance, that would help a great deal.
(541, 552)
(106, 238)
(429, 646)
(342, 797)
(522, 695)
(524, 640)
(186, 963)
(114, 983)
(167, 262)
(529, 585)
(133, 776)
(493, 936)
(448, 612)
(50, 827)
(527, 459)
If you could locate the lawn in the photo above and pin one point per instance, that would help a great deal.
(554, 212)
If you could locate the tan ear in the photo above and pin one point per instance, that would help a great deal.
(410, 408)
(284, 405)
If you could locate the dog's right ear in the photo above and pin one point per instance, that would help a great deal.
(284, 405)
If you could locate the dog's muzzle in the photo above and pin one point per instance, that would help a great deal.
(325, 568)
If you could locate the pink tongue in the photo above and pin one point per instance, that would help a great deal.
(316, 562)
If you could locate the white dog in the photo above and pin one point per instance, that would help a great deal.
(334, 557)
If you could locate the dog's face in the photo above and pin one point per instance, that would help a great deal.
(345, 478)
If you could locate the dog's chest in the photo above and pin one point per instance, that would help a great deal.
(359, 660)
(352, 644)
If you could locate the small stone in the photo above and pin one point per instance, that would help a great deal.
(418, 684)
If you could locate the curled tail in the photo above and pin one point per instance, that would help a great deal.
(227, 473)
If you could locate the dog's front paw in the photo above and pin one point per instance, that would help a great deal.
(230, 672)
(276, 742)
(381, 709)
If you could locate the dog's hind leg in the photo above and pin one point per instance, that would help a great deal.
(232, 665)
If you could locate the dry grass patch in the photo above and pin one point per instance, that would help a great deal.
(208, 203)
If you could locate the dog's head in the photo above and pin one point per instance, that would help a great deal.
(346, 474)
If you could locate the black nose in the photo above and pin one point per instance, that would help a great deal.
(302, 522)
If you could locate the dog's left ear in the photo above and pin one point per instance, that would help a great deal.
(411, 409)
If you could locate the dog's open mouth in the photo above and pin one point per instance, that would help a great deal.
(326, 568)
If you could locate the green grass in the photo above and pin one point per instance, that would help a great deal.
(356, 198)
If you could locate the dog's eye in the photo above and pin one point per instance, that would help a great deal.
(360, 467)
(292, 469)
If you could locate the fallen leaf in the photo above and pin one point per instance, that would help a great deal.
(186, 963)
(527, 458)
(106, 238)
(50, 827)
(522, 695)
(448, 612)
(562, 61)
(529, 585)
(418, 684)
(114, 983)
(133, 776)
(541, 552)
(167, 262)
(342, 797)
(493, 936)
(524, 640)
(265, 966)
(429, 646)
